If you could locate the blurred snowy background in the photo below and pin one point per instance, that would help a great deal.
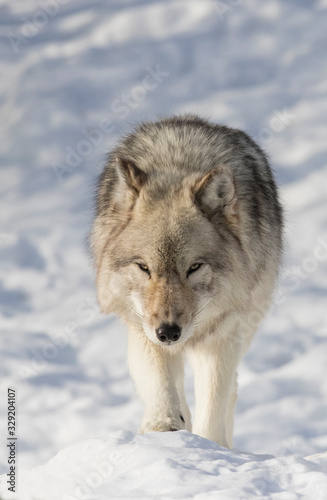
(75, 76)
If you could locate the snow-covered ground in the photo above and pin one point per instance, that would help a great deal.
(75, 76)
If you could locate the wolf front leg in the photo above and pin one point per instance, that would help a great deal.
(159, 379)
(215, 363)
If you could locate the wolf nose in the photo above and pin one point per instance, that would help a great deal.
(168, 333)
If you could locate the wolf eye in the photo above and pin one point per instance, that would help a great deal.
(143, 268)
(193, 268)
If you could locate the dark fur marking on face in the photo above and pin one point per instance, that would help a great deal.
(113, 234)
(202, 287)
(225, 231)
(99, 268)
(120, 262)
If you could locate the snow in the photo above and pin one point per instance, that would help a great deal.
(174, 465)
(75, 80)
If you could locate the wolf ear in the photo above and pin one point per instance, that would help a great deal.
(216, 190)
(129, 175)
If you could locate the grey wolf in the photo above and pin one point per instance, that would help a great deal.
(187, 243)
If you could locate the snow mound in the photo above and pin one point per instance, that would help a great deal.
(170, 465)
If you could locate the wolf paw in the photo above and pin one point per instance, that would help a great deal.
(163, 424)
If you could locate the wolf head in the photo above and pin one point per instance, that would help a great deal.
(188, 222)
(167, 253)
